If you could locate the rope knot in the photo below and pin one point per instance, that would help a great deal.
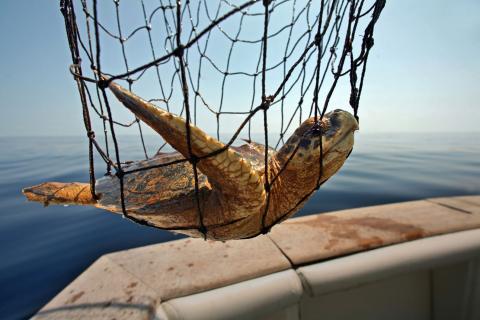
(203, 230)
(120, 173)
(178, 52)
(369, 42)
(266, 101)
(266, 230)
(349, 45)
(318, 38)
(102, 83)
(266, 185)
(194, 159)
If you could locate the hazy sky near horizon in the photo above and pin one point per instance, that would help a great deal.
(423, 74)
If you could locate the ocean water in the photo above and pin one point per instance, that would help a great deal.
(43, 249)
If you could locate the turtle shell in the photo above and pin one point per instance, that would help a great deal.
(160, 188)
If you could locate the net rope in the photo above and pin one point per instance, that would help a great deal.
(300, 49)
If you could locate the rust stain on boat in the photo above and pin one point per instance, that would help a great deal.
(331, 243)
(372, 242)
(366, 232)
(409, 231)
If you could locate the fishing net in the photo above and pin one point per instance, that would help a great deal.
(233, 68)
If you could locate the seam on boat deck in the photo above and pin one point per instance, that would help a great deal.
(449, 206)
(282, 252)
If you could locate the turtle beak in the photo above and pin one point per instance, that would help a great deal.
(343, 121)
(340, 129)
(349, 153)
(337, 140)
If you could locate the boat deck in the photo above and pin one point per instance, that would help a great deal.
(302, 265)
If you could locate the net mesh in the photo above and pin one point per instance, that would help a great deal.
(234, 68)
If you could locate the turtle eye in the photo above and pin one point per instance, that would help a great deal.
(316, 129)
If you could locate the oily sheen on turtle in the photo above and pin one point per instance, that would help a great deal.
(232, 195)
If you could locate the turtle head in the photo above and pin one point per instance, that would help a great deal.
(332, 137)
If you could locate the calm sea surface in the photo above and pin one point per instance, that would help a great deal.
(43, 249)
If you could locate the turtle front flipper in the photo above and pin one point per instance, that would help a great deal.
(227, 170)
(60, 193)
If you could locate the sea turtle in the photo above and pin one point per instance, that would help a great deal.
(231, 184)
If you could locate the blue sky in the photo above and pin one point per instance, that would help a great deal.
(423, 74)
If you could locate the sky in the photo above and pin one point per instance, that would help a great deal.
(423, 73)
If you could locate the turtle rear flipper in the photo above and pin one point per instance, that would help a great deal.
(60, 193)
